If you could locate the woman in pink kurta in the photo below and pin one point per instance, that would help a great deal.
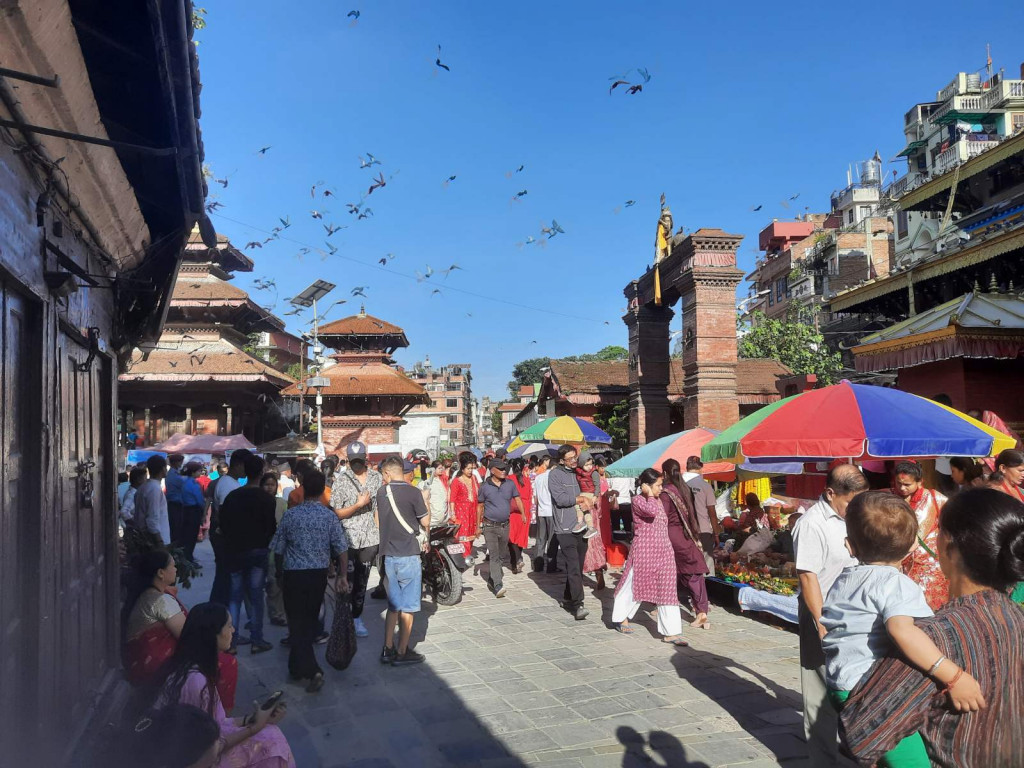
(253, 741)
(649, 574)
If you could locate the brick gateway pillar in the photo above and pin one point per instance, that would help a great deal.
(702, 274)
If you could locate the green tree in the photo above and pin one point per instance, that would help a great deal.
(295, 370)
(613, 352)
(793, 343)
(526, 373)
(496, 421)
(615, 421)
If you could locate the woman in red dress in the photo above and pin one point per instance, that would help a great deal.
(519, 531)
(462, 501)
(1009, 473)
(922, 564)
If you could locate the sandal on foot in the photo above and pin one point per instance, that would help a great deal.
(676, 641)
(624, 629)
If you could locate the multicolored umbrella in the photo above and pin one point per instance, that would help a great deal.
(565, 429)
(681, 446)
(853, 421)
(526, 450)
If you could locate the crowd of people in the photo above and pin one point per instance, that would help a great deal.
(282, 533)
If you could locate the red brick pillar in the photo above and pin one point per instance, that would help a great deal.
(649, 369)
(709, 346)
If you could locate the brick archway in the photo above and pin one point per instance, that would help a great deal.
(701, 273)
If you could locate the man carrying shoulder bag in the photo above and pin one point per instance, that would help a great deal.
(403, 520)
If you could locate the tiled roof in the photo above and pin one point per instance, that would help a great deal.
(513, 407)
(361, 324)
(196, 288)
(369, 380)
(197, 360)
(752, 376)
(229, 257)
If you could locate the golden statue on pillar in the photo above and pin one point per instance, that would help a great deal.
(662, 246)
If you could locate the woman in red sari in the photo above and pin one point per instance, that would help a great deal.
(518, 530)
(1009, 473)
(462, 500)
(152, 621)
(922, 564)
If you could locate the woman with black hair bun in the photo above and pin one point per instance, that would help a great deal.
(980, 548)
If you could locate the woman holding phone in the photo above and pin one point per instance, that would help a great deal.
(253, 741)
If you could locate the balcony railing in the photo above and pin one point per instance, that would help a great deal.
(960, 152)
(960, 104)
(1007, 90)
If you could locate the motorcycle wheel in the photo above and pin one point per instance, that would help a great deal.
(445, 579)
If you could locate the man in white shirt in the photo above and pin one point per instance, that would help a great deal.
(285, 483)
(151, 504)
(704, 506)
(819, 543)
(542, 503)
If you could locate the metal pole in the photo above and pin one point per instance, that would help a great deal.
(29, 128)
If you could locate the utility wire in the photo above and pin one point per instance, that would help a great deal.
(380, 268)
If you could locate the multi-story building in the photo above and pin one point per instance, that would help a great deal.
(511, 410)
(451, 403)
(973, 114)
(485, 434)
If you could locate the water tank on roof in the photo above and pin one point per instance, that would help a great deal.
(871, 172)
(974, 83)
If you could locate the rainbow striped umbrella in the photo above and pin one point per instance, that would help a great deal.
(855, 421)
(565, 429)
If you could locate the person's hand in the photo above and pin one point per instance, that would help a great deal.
(966, 695)
(341, 583)
(277, 713)
(363, 499)
(526, 520)
(821, 630)
(260, 720)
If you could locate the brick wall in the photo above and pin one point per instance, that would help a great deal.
(982, 384)
(336, 438)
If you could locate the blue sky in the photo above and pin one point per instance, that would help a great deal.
(747, 104)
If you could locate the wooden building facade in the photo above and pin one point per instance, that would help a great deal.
(100, 184)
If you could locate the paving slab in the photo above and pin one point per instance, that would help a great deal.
(516, 682)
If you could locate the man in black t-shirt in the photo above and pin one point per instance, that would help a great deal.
(247, 524)
(401, 512)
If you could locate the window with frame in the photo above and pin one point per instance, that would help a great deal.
(451, 419)
(849, 216)
(1017, 119)
(902, 224)
(453, 436)
(455, 386)
(451, 402)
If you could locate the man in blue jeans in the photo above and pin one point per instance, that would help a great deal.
(401, 512)
(247, 524)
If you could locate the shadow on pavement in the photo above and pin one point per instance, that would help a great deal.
(658, 748)
(375, 716)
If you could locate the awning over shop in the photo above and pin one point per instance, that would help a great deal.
(976, 325)
(909, 149)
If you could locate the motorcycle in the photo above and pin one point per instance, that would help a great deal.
(443, 563)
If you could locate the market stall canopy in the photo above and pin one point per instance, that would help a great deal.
(855, 421)
(182, 443)
(289, 445)
(565, 430)
(526, 450)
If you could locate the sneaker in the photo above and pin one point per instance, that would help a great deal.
(316, 683)
(499, 592)
(277, 621)
(286, 641)
(260, 647)
(361, 630)
(580, 613)
(240, 640)
(591, 533)
(322, 638)
(409, 657)
(379, 593)
(580, 527)
(387, 655)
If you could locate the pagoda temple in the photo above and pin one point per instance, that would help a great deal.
(367, 396)
(199, 378)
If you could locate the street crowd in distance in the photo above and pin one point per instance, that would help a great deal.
(874, 566)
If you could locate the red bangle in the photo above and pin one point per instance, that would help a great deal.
(954, 681)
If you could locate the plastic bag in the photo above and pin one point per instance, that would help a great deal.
(341, 646)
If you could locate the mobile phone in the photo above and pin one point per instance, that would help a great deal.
(272, 701)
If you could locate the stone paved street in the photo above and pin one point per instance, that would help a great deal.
(518, 682)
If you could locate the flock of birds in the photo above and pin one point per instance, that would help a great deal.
(631, 82)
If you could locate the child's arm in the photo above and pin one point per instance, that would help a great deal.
(919, 650)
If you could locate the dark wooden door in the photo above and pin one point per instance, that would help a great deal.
(19, 504)
(84, 623)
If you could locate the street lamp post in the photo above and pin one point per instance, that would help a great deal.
(308, 298)
(318, 383)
